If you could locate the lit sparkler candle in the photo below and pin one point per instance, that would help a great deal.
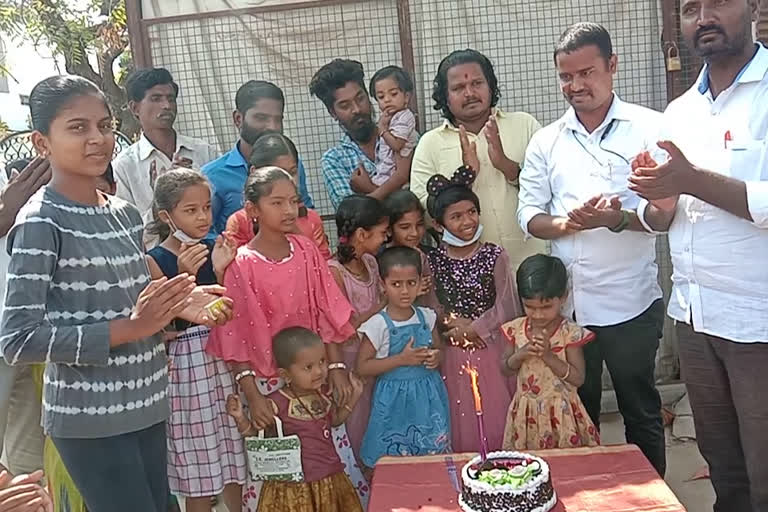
(472, 372)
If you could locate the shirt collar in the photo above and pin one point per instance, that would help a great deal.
(347, 141)
(753, 71)
(235, 158)
(619, 111)
(146, 148)
(447, 125)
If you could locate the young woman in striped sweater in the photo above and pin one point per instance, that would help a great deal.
(80, 299)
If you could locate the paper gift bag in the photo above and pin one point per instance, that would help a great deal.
(277, 458)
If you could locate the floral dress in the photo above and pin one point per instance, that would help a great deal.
(546, 411)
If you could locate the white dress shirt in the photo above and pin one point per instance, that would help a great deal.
(720, 278)
(132, 167)
(613, 276)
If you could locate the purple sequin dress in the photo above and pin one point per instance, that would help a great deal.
(480, 288)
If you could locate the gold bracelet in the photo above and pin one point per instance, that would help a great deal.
(567, 373)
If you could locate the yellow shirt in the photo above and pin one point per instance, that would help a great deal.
(439, 151)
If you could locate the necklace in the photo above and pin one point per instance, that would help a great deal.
(466, 257)
(326, 430)
(361, 276)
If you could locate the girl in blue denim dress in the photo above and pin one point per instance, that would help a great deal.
(401, 348)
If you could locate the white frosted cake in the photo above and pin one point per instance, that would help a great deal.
(507, 482)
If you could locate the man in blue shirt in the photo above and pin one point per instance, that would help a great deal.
(259, 108)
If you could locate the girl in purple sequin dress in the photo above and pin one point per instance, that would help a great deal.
(475, 294)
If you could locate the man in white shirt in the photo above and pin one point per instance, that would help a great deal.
(712, 198)
(152, 95)
(572, 186)
(21, 437)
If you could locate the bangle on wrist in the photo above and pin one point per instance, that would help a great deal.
(245, 373)
(622, 225)
(567, 372)
(337, 366)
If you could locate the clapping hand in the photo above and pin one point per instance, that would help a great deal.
(495, 148)
(598, 212)
(224, 252)
(22, 185)
(160, 302)
(661, 184)
(196, 309)
(192, 257)
(542, 345)
(23, 493)
(468, 150)
(530, 350)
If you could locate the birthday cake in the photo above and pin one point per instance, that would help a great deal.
(507, 482)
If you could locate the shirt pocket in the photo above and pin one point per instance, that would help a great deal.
(618, 184)
(748, 160)
(449, 160)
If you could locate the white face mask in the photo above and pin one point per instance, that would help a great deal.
(180, 235)
(454, 241)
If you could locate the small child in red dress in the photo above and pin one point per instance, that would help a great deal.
(308, 412)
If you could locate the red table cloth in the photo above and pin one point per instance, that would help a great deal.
(601, 479)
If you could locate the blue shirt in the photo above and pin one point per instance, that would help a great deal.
(227, 175)
(339, 162)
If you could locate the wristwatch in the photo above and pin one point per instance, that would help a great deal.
(621, 226)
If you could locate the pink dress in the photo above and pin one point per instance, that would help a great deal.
(271, 296)
(310, 225)
(362, 295)
(481, 289)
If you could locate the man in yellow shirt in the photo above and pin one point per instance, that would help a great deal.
(476, 133)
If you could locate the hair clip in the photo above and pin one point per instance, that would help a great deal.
(343, 239)
(464, 176)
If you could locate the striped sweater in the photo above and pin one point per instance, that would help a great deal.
(73, 269)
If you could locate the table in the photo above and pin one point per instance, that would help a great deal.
(600, 479)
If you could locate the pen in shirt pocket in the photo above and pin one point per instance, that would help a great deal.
(727, 139)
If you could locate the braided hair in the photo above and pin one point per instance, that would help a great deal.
(355, 212)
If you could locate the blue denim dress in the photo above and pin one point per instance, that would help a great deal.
(409, 412)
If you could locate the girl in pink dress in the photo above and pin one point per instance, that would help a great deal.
(475, 295)
(280, 280)
(275, 149)
(362, 225)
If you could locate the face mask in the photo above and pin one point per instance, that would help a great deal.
(454, 241)
(180, 235)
